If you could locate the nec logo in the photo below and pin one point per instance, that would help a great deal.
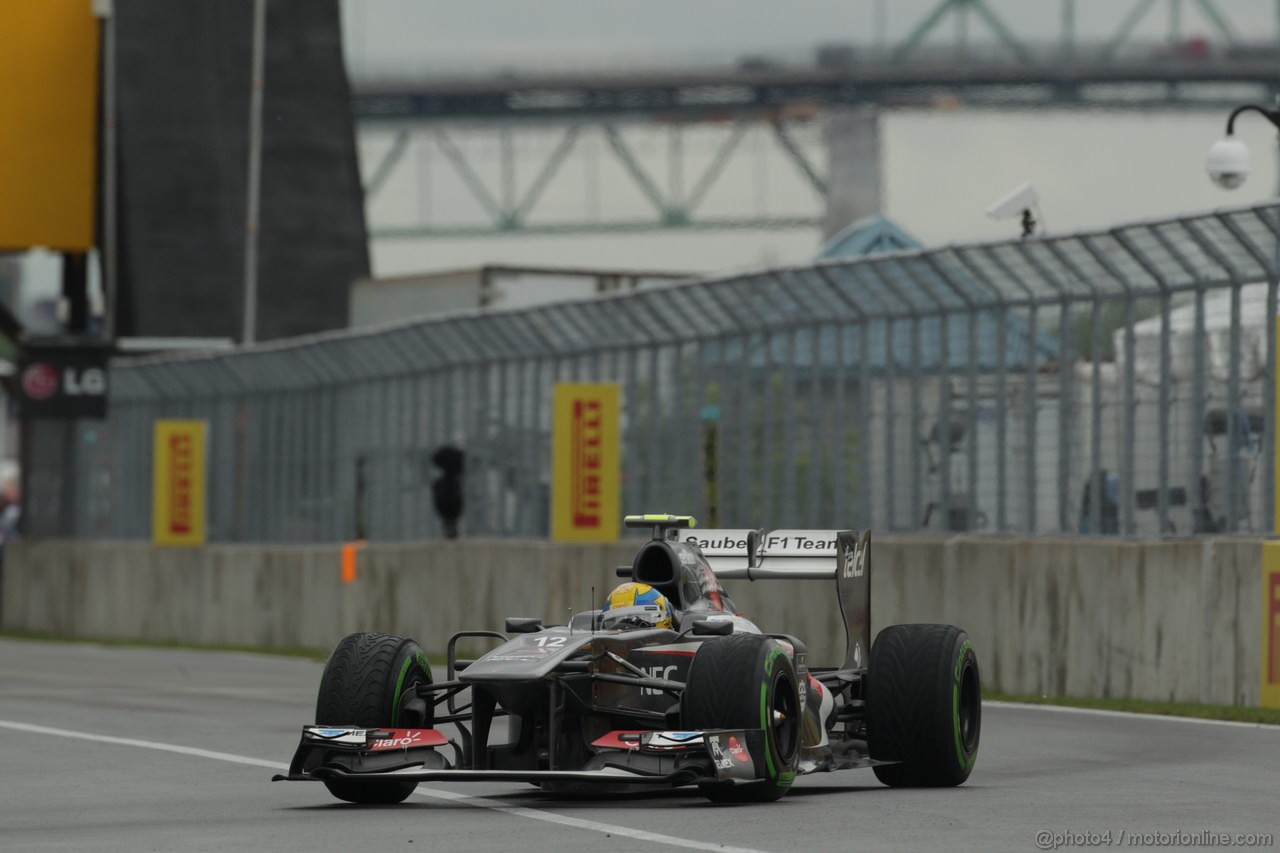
(662, 672)
(855, 561)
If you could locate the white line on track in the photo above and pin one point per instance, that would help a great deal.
(144, 744)
(563, 820)
(433, 793)
(1129, 715)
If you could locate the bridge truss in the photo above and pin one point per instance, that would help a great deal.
(743, 147)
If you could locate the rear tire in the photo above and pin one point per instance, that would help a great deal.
(363, 685)
(747, 681)
(924, 705)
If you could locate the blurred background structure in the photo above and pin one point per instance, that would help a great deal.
(547, 178)
(183, 83)
(732, 135)
(990, 387)
(817, 116)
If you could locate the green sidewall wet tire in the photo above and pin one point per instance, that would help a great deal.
(924, 705)
(363, 683)
(737, 683)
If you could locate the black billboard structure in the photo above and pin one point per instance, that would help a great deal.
(172, 220)
(183, 73)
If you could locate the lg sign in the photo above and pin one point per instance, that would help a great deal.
(40, 381)
(64, 382)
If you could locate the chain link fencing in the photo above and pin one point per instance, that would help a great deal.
(1117, 381)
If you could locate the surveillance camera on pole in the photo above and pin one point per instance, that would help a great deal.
(1023, 202)
(1228, 162)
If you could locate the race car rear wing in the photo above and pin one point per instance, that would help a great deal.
(841, 554)
(679, 547)
(760, 554)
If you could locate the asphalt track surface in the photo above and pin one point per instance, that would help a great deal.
(123, 749)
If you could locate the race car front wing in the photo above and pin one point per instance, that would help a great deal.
(648, 758)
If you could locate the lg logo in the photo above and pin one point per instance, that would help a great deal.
(40, 381)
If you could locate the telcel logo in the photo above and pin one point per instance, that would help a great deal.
(855, 561)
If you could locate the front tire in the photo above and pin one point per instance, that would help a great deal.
(747, 681)
(365, 684)
(924, 705)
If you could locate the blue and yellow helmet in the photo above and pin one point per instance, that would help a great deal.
(635, 605)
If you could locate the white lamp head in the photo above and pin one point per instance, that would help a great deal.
(1228, 163)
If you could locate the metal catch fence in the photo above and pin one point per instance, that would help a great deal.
(1117, 381)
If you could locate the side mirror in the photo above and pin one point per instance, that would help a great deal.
(712, 627)
(523, 624)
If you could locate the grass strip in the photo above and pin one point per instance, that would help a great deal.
(1235, 713)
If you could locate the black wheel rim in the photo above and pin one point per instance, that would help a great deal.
(785, 718)
(968, 707)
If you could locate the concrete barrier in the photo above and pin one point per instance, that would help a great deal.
(1167, 620)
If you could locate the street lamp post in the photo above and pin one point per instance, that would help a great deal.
(1228, 166)
(249, 334)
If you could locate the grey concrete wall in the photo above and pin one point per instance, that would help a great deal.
(1173, 619)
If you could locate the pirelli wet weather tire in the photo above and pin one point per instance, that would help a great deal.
(924, 705)
(366, 683)
(747, 681)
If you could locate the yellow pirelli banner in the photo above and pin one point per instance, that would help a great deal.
(586, 449)
(1270, 696)
(178, 483)
(48, 130)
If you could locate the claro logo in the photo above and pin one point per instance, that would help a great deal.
(586, 462)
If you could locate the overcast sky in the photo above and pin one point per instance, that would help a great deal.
(476, 35)
(941, 168)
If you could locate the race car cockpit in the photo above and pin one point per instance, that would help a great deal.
(681, 574)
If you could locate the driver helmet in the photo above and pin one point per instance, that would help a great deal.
(635, 605)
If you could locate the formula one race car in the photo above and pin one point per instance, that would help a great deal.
(666, 685)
